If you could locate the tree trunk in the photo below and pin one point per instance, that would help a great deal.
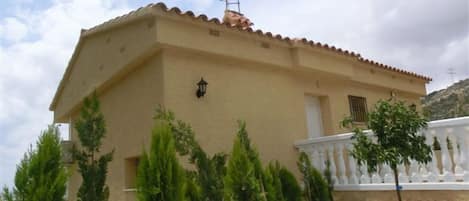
(396, 179)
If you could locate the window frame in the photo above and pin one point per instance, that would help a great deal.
(354, 102)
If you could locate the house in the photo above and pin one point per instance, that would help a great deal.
(285, 89)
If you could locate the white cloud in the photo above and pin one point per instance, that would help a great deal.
(35, 47)
(12, 29)
(423, 36)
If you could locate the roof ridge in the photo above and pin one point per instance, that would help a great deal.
(217, 21)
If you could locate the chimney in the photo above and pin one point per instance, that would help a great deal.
(236, 19)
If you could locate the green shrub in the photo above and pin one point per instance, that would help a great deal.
(210, 171)
(159, 176)
(284, 182)
(316, 187)
(41, 174)
(91, 129)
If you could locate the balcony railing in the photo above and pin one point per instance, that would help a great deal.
(449, 169)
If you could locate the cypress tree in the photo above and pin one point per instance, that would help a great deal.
(240, 181)
(6, 195)
(246, 179)
(316, 187)
(210, 170)
(395, 126)
(159, 176)
(41, 174)
(92, 165)
(284, 182)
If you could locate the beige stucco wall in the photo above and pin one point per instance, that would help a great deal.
(103, 59)
(128, 109)
(263, 86)
(270, 100)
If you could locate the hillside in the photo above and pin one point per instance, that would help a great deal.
(448, 103)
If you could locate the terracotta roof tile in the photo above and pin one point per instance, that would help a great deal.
(305, 41)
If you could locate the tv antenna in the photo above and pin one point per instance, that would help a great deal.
(230, 3)
(451, 73)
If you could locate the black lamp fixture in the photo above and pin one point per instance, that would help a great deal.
(202, 88)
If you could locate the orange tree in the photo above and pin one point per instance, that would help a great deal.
(395, 126)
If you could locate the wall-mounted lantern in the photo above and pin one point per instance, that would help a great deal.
(202, 88)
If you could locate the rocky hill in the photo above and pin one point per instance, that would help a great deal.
(448, 103)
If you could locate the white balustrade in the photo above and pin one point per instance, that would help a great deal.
(402, 175)
(449, 164)
(388, 174)
(331, 162)
(353, 179)
(342, 172)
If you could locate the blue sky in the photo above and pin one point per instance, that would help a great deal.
(37, 38)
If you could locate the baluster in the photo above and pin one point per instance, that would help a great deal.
(314, 157)
(415, 176)
(415, 169)
(365, 177)
(458, 169)
(445, 159)
(375, 177)
(321, 158)
(462, 133)
(332, 166)
(353, 179)
(433, 165)
(403, 178)
(388, 174)
(341, 160)
(425, 171)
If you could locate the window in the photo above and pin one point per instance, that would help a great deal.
(131, 167)
(357, 108)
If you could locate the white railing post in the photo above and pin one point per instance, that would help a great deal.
(375, 177)
(314, 157)
(341, 160)
(462, 138)
(433, 175)
(353, 179)
(388, 174)
(415, 176)
(459, 156)
(445, 158)
(332, 167)
(364, 177)
(402, 176)
(321, 159)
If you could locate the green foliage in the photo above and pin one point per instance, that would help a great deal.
(160, 177)
(316, 187)
(272, 184)
(447, 103)
(328, 176)
(91, 129)
(41, 174)
(193, 189)
(395, 126)
(284, 182)
(267, 190)
(207, 183)
(241, 182)
(6, 195)
(247, 180)
(210, 170)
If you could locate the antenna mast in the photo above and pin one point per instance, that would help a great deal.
(232, 2)
(451, 73)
